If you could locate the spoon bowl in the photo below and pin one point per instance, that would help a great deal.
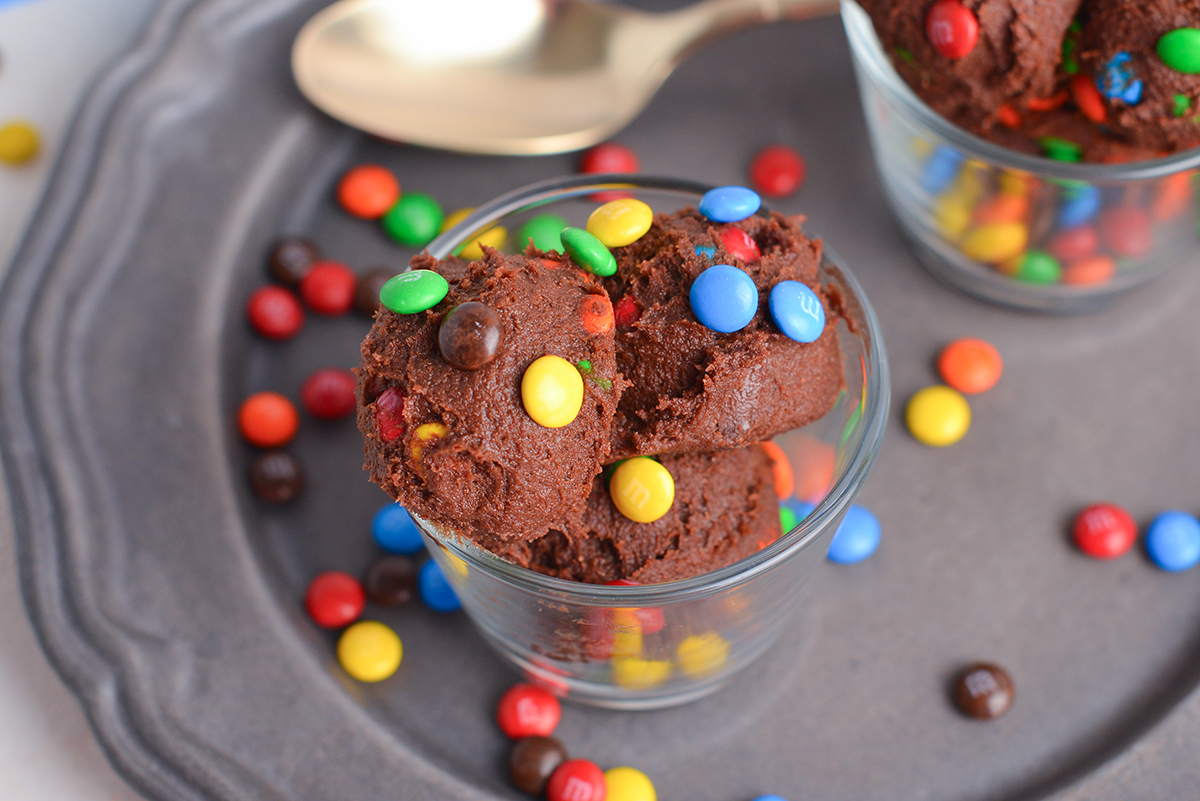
(513, 77)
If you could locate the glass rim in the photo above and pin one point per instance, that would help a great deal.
(868, 54)
(837, 499)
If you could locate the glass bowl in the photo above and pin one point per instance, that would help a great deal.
(1011, 228)
(656, 645)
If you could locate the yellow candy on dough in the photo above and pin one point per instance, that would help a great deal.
(620, 222)
(628, 784)
(492, 237)
(552, 391)
(369, 651)
(635, 673)
(19, 142)
(702, 654)
(995, 242)
(938, 416)
(424, 433)
(642, 489)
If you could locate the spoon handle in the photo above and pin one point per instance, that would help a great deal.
(702, 22)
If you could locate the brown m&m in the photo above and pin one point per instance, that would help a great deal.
(292, 258)
(470, 335)
(532, 762)
(276, 476)
(366, 293)
(391, 580)
(983, 691)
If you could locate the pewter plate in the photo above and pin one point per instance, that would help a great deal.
(169, 598)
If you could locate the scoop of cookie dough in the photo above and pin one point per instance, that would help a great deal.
(458, 446)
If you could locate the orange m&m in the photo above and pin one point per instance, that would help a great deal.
(970, 365)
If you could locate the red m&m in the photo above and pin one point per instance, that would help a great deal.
(951, 28)
(777, 171)
(527, 711)
(334, 599)
(275, 313)
(577, 780)
(1104, 531)
(328, 288)
(328, 394)
(740, 244)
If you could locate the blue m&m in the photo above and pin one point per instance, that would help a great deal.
(435, 590)
(1173, 541)
(724, 298)
(1118, 80)
(1080, 204)
(395, 531)
(856, 538)
(797, 311)
(940, 169)
(729, 203)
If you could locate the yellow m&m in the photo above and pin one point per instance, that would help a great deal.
(628, 784)
(620, 222)
(635, 673)
(702, 654)
(19, 142)
(938, 416)
(369, 651)
(642, 489)
(552, 391)
(492, 237)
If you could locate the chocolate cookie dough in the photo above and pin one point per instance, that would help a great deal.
(693, 389)
(456, 445)
(725, 509)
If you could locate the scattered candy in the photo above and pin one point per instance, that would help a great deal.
(941, 169)
(1173, 541)
(777, 171)
(620, 222)
(527, 710)
(334, 599)
(729, 203)
(268, 419)
(1180, 50)
(414, 291)
(1118, 81)
(532, 762)
(291, 258)
(391, 580)
(1125, 230)
(276, 476)
(368, 191)
(1090, 271)
(938, 416)
(856, 538)
(369, 651)
(996, 242)
(1074, 243)
(328, 394)
(275, 313)
(493, 238)
(435, 590)
(649, 620)
(635, 673)
(628, 784)
(395, 531)
(797, 311)
(1080, 204)
(724, 298)
(702, 655)
(328, 288)
(596, 314)
(740, 244)
(366, 292)
(1038, 267)
(970, 365)
(389, 414)
(544, 232)
(609, 157)
(588, 251)
(1004, 207)
(414, 220)
(1088, 99)
(951, 28)
(470, 335)
(19, 142)
(552, 391)
(642, 489)
(983, 691)
(576, 780)
(1104, 531)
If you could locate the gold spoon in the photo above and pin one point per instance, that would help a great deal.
(506, 76)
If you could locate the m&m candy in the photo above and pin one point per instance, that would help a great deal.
(334, 599)
(328, 288)
(493, 238)
(544, 232)
(389, 414)
(856, 538)
(268, 419)
(951, 28)
(470, 335)
(636, 673)
(19, 142)
(414, 291)
(275, 313)
(620, 222)
(526, 710)
(368, 190)
(609, 157)
(369, 651)
(702, 655)
(414, 220)
(739, 244)
(983, 691)
(1180, 50)
(970, 365)
(435, 589)
(1104, 531)
(796, 311)
(1173, 541)
(276, 476)
(938, 416)
(395, 531)
(552, 391)
(1079, 206)
(724, 298)
(291, 258)
(628, 784)
(328, 394)
(729, 203)
(777, 171)
(576, 780)
(642, 489)
(532, 761)
(588, 251)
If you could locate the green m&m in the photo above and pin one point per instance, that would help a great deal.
(545, 231)
(1180, 50)
(588, 251)
(414, 291)
(414, 220)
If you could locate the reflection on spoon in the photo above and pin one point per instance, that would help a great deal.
(511, 77)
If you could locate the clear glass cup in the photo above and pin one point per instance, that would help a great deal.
(649, 646)
(1011, 228)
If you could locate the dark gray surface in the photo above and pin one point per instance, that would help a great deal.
(169, 599)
